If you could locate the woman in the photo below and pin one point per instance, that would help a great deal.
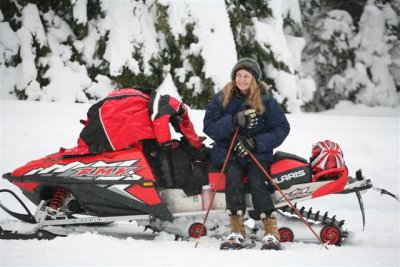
(246, 103)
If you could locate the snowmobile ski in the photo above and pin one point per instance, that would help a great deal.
(385, 192)
(28, 217)
(39, 234)
(360, 201)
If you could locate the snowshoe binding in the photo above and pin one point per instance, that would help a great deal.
(270, 242)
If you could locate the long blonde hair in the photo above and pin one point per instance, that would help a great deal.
(253, 99)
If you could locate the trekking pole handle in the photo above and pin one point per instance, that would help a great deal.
(285, 197)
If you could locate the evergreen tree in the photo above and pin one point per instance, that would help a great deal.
(73, 38)
(332, 53)
(347, 56)
(242, 14)
(328, 52)
(175, 57)
(185, 66)
(373, 49)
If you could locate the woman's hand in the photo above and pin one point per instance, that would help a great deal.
(244, 146)
(246, 118)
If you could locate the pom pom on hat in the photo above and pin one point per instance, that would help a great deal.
(248, 64)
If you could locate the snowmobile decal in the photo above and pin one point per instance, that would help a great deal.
(95, 169)
(106, 184)
(289, 176)
(297, 193)
(106, 172)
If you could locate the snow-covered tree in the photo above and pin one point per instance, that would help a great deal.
(270, 32)
(313, 53)
(351, 60)
(181, 56)
(333, 54)
(328, 51)
(368, 80)
(98, 46)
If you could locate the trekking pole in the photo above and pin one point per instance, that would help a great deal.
(217, 185)
(286, 198)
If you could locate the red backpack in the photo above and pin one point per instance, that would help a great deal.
(326, 155)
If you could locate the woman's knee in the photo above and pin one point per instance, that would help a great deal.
(233, 172)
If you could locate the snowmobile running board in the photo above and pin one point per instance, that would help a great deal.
(44, 218)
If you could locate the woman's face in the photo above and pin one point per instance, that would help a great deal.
(243, 79)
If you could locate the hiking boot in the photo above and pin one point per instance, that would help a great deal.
(237, 238)
(271, 235)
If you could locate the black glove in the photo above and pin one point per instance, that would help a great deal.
(169, 145)
(244, 146)
(246, 118)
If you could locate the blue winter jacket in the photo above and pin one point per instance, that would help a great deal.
(270, 132)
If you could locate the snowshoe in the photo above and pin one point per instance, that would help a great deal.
(270, 242)
(236, 241)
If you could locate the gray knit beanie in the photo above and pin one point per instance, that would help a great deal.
(248, 64)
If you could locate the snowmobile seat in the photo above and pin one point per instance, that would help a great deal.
(217, 181)
(289, 169)
(279, 155)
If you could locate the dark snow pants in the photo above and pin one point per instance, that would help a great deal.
(234, 188)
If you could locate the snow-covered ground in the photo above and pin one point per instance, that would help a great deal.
(369, 138)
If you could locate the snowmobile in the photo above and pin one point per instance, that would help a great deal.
(130, 185)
